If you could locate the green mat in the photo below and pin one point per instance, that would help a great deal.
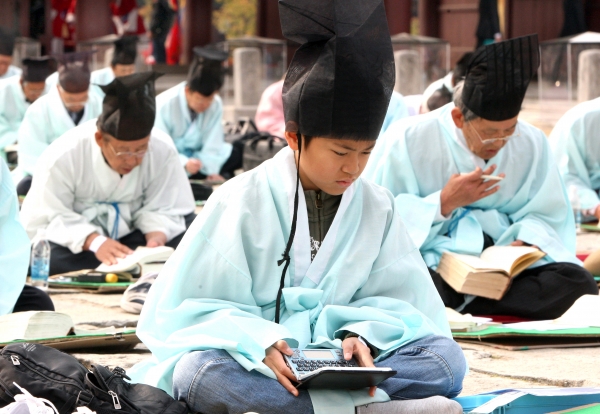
(90, 342)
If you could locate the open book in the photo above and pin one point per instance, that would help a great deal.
(142, 260)
(490, 274)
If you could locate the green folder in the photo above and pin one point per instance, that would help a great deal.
(519, 340)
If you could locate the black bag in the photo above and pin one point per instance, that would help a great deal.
(58, 377)
(259, 147)
(201, 191)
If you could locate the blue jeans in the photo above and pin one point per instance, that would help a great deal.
(213, 382)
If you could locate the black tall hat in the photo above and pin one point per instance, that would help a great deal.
(74, 71)
(7, 42)
(340, 80)
(129, 107)
(125, 51)
(206, 73)
(498, 76)
(37, 69)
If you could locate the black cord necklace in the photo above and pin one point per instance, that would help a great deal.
(286, 254)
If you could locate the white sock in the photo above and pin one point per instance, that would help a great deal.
(431, 405)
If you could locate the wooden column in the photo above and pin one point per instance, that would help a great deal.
(93, 19)
(399, 13)
(197, 27)
(10, 15)
(429, 18)
(267, 19)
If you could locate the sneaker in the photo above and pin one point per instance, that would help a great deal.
(28, 404)
(134, 297)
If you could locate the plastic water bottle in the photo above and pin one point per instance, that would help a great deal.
(40, 261)
(576, 206)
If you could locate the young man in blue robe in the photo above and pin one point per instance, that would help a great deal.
(15, 250)
(577, 153)
(7, 47)
(192, 114)
(122, 64)
(17, 93)
(434, 166)
(225, 309)
(65, 106)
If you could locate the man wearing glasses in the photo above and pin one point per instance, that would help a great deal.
(66, 105)
(438, 167)
(111, 184)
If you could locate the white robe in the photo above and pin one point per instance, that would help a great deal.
(101, 77)
(202, 139)
(14, 244)
(45, 121)
(574, 141)
(12, 110)
(12, 71)
(415, 160)
(218, 290)
(74, 187)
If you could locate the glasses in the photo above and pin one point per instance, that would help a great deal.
(491, 141)
(128, 154)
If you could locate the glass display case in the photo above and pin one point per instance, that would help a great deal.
(25, 48)
(433, 57)
(264, 63)
(559, 65)
(104, 48)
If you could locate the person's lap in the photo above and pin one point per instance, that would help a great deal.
(213, 382)
(62, 260)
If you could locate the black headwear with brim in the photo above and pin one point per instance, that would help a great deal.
(129, 106)
(339, 82)
(341, 79)
(7, 42)
(498, 76)
(125, 51)
(206, 73)
(74, 71)
(37, 69)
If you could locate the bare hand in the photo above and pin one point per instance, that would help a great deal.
(522, 243)
(362, 354)
(193, 166)
(155, 239)
(215, 178)
(464, 189)
(596, 212)
(111, 250)
(274, 360)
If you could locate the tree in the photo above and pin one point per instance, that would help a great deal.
(235, 18)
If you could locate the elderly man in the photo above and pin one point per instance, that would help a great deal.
(7, 46)
(435, 166)
(111, 185)
(17, 93)
(64, 107)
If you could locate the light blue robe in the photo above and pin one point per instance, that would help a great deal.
(202, 139)
(218, 289)
(12, 110)
(14, 244)
(101, 77)
(12, 71)
(574, 141)
(397, 109)
(415, 160)
(45, 121)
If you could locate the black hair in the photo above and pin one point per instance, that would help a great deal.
(460, 70)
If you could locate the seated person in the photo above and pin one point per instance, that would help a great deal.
(64, 107)
(110, 185)
(192, 114)
(577, 153)
(122, 64)
(7, 47)
(269, 113)
(15, 250)
(397, 109)
(225, 308)
(17, 93)
(448, 83)
(433, 164)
